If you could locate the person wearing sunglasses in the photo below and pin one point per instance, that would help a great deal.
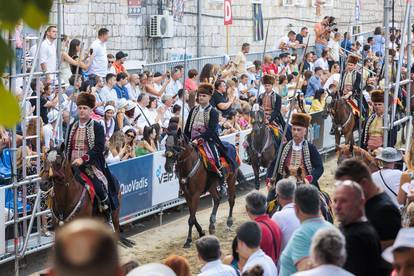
(130, 135)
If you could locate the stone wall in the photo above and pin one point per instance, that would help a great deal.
(128, 33)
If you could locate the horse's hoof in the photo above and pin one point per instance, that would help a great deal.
(187, 244)
(229, 222)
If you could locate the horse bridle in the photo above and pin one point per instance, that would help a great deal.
(329, 107)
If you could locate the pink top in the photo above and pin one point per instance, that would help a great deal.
(19, 39)
(267, 68)
(190, 85)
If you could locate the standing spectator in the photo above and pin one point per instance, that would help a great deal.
(18, 38)
(49, 129)
(47, 52)
(328, 254)
(209, 253)
(219, 100)
(111, 60)
(286, 217)
(271, 240)
(401, 253)
(73, 53)
(248, 246)
(133, 87)
(287, 42)
(175, 84)
(322, 62)
(405, 198)
(321, 35)
(379, 42)
(314, 84)
(295, 256)
(347, 43)
(388, 178)
(362, 241)
(234, 260)
(334, 49)
(121, 90)
(99, 64)
(300, 36)
(240, 59)
(379, 209)
(179, 264)
(108, 94)
(191, 83)
(118, 65)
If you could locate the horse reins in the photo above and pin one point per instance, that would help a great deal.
(184, 180)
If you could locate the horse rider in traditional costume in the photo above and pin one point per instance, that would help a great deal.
(373, 131)
(84, 148)
(299, 153)
(202, 127)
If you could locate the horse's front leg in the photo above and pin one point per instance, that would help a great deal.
(256, 170)
(192, 204)
(231, 184)
(216, 202)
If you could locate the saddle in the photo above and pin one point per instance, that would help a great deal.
(354, 107)
(85, 180)
(209, 161)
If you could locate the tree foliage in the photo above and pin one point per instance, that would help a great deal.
(33, 13)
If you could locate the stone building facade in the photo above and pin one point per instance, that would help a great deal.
(82, 19)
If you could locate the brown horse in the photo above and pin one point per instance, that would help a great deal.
(344, 152)
(195, 180)
(262, 145)
(70, 198)
(343, 119)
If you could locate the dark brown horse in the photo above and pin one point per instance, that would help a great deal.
(195, 180)
(343, 119)
(262, 145)
(344, 152)
(70, 199)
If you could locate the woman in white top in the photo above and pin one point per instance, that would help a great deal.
(108, 121)
(117, 149)
(154, 114)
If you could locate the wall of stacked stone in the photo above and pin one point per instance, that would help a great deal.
(83, 18)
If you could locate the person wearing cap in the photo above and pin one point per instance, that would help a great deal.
(84, 148)
(363, 248)
(298, 153)
(373, 131)
(388, 178)
(108, 121)
(118, 65)
(49, 130)
(271, 102)
(401, 253)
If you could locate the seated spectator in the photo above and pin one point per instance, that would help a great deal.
(149, 143)
(405, 198)
(121, 90)
(165, 111)
(268, 66)
(328, 254)
(108, 121)
(85, 247)
(130, 136)
(401, 253)
(362, 242)
(241, 120)
(144, 119)
(148, 86)
(174, 84)
(118, 65)
(248, 246)
(111, 60)
(219, 100)
(295, 256)
(120, 119)
(271, 238)
(179, 102)
(287, 42)
(155, 114)
(286, 217)
(179, 264)
(157, 80)
(308, 65)
(388, 178)
(117, 150)
(108, 94)
(133, 87)
(231, 125)
(209, 253)
(244, 88)
(379, 208)
(191, 83)
(314, 84)
(318, 102)
(131, 113)
(234, 260)
(322, 62)
(335, 76)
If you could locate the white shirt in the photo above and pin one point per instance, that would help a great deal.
(284, 40)
(166, 116)
(186, 109)
(392, 179)
(49, 136)
(133, 93)
(47, 55)
(333, 78)
(334, 47)
(287, 221)
(321, 62)
(99, 64)
(217, 268)
(142, 120)
(261, 259)
(173, 87)
(325, 270)
(108, 94)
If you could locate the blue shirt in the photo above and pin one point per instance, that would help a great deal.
(347, 45)
(313, 85)
(379, 44)
(298, 246)
(121, 92)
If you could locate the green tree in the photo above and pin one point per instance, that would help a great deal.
(33, 13)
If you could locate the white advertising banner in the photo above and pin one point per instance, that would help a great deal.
(165, 185)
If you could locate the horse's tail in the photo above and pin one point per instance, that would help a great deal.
(240, 177)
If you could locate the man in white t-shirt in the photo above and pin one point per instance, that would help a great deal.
(47, 52)
(99, 64)
(387, 177)
(240, 59)
(334, 49)
(108, 94)
(248, 247)
(287, 42)
(286, 218)
(175, 84)
(141, 110)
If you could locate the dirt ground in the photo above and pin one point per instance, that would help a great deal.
(155, 245)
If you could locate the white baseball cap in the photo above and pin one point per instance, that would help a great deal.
(109, 107)
(52, 115)
(122, 103)
(249, 65)
(405, 238)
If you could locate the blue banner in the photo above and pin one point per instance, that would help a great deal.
(135, 178)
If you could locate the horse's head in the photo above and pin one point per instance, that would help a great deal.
(330, 102)
(257, 116)
(297, 175)
(54, 165)
(175, 144)
(344, 152)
